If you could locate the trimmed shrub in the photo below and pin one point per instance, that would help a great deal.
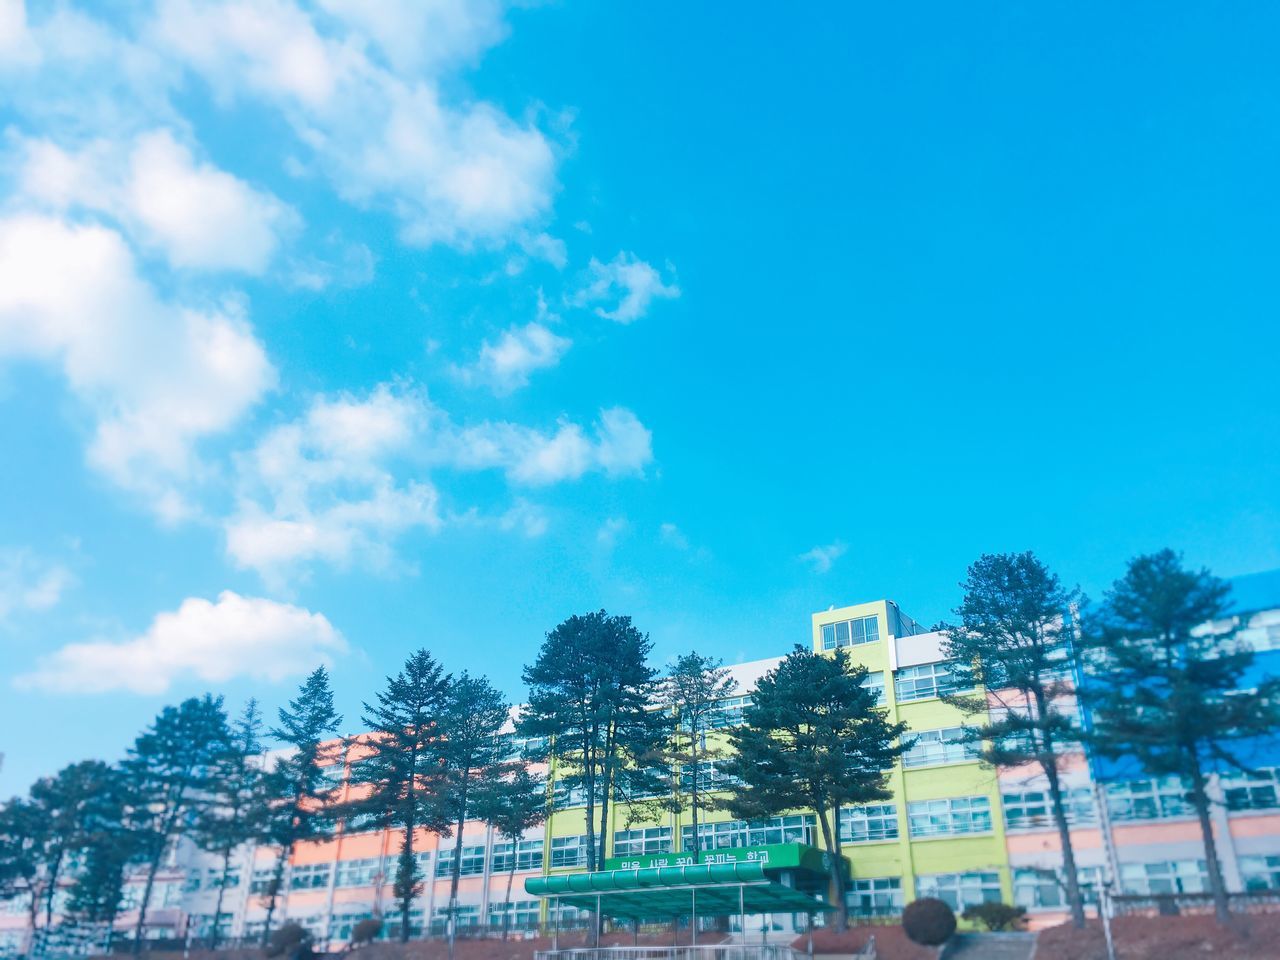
(287, 940)
(928, 922)
(996, 916)
(366, 931)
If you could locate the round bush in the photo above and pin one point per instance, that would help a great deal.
(287, 940)
(366, 931)
(928, 922)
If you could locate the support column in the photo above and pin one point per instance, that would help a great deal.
(555, 924)
(693, 916)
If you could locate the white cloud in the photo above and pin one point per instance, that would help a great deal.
(628, 283)
(197, 216)
(378, 126)
(157, 376)
(822, 558)
(343, 481)
(29, 584)
(621, 445)
(611, 531)
(519, 351)
(215, 642)
(673, 536)
(325, 487)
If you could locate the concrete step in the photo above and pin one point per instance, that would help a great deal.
(990, 946)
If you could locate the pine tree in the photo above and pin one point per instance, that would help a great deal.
(589, 694)
(512, 805)
(24, 841)
(1168, 684)
(402, 771)
(690, 694)
(168, 774)
(238, 811)
(471, 752)
(110, 846)
(297, 786)
(1013, 639)
(812, 738)
(70, 805)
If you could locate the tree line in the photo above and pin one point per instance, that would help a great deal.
(1166, 682)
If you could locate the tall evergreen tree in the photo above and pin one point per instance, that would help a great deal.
(472, 752)
(813, 739)
(25, 839)
(168, 776)
(402, 773)
(1013, 640)
(1168, 683)
(512, 805)
(690, 694)
(71, 806)
(238, 812)
(589, 693)
(297, 785)
(110, 847)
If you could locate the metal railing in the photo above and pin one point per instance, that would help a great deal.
(717, 951)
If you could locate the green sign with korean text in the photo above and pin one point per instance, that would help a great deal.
(775, 856)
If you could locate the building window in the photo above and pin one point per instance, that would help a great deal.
(1041, 889)
(638, 843)
(1260, 873)
(472, 863)
(947, 745)
(1031, 809)
(1257, 791)
(357, 873)
(960, 890)
(528, 856)
(635, 784)
(710, 778)
(850, 633)
(1164, 876)
(870, 822)
(564, 796)
(954, 815)
(310, 876)
(523, 914)
(740, 833)
(568, 851)
(391, 929)
(1148, 799)
(362, 823)
(331, 777)
(922, 682)
(876, 896)
(727, 713)
(262, 879)
(341, 925)
(874, 681)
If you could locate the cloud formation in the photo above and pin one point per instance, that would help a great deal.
(28, 583)
(213, 642)
(507, 364)
(156, 375)
(195, 215)
(325, 487)
(622, 289)
(822, 558)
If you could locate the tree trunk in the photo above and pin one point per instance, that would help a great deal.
(511, 876)
(693, 798)
(273, 890)
(406, 892)
(1072, 880)
(837, 874)
(1199, 799)
(455, 875)
(152, 868)
(53, 889)
(222, 891)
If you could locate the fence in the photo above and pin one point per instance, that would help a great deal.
(718, 951)
(1171, 904)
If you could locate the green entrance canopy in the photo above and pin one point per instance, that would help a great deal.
(650, 893)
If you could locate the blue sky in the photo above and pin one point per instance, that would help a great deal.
(326, 333)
